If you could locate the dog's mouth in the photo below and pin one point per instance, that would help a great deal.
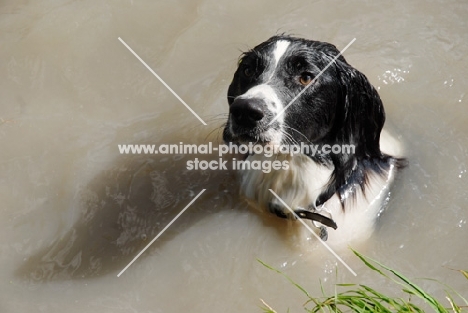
(257, 135)
(251, 135)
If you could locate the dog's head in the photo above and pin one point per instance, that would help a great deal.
(268, 103)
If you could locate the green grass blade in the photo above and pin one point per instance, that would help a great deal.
(367, 263)
(365, 299)
(403, 281)
(465, 273)
(286, 276)
(455, 307)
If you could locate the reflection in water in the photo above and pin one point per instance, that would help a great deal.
(124, 208)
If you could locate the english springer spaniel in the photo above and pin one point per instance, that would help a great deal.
(268, 105)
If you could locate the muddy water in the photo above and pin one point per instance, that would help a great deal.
(74, 211)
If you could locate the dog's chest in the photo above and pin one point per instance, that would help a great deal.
(298, 185)
(303, 181)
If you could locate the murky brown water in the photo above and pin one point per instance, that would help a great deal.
(71, 92)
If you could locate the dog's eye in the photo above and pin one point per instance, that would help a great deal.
(248, 71)
(305, 78)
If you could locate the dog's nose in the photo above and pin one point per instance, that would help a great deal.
(247, 112)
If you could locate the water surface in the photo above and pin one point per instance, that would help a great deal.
(71, 92)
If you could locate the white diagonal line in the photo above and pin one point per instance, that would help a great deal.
(162, 81)
(161, 232)
(309, 229)
(313, 81)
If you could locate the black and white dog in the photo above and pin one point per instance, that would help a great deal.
(269, 106)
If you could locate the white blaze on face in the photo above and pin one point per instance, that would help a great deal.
(280, 49)
(268, 94)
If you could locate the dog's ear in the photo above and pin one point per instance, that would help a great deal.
(360, 113)
(359, 119)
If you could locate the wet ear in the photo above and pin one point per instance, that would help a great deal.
(360, 110)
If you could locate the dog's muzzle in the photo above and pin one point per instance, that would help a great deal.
(247, 113)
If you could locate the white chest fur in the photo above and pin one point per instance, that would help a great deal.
(302, 182)
(299, 185)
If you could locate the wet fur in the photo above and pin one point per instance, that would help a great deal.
(341, 107)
